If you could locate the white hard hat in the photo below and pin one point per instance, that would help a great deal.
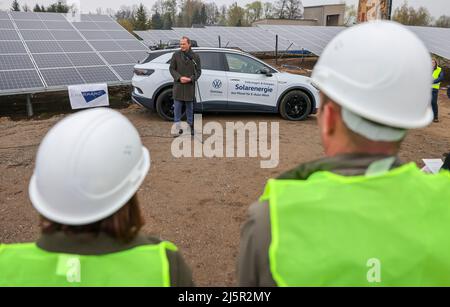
(87, 167)
(379, 71)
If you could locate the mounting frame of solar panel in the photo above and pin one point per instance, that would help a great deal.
(17, 24)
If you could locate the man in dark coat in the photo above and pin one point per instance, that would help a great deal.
(185, 69)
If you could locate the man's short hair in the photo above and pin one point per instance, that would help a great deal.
(187, 39)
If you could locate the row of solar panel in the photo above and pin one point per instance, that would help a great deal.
(7, 34)
(64, 60)
(56, 53)
(51, 16)
(254, 39)
(250, 39)
(69, 46)
(29, 79)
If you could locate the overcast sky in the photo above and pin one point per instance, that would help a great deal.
(436, 7)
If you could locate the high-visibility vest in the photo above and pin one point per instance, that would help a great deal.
(28, 265)
(436, 74)
(386, 230)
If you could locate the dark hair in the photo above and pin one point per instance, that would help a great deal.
(124, 225)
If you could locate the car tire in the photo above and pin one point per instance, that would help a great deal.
(295, 105)
(164, 105)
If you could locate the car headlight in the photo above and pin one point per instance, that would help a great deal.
(143, 72)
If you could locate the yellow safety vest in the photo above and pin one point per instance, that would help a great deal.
(384, 230)
(26, 265)
(436, 74)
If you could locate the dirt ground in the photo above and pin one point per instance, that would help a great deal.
(200, 203)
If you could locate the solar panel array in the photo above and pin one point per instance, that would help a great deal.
(41, 51)
(292, 37)
(315, 38)
(311, 38)
(437, 40)
(155, 37)
(250, 39)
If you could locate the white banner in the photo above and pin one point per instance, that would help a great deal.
(88, 96)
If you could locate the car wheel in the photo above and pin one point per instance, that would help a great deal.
(164, 105)
(295, 105)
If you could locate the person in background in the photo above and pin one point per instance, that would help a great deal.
(359, 217)
(88, 170)
(438, 77)
(185, 68)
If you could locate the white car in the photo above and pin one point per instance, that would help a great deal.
(231, 81)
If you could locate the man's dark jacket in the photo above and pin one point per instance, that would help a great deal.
(181, 65)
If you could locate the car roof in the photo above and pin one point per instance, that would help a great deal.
(200, 49)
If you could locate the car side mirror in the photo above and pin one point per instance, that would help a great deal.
(266, 71)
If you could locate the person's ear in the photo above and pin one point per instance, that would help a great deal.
(329, 118)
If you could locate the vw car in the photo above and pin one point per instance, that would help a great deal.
(231, 81)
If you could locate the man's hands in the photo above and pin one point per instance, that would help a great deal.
(185, 80)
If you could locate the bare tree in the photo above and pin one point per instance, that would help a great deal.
(443, 22)
(407, 15)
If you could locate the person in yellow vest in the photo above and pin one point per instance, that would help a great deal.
(358, 217)
(438, 77)
(88, 170)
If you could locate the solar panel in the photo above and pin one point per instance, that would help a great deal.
(58, 25)
(34, 35)
(311, 38)
(138, 55)
(61, 76)
(12, 47)
(105, 45)
(66, 35)
(52, 60)
(82, 25)
(24, 16)
(9, 35)
(125, 71)
(3, 15)
(43, 46)
(154, 37)
(75, 46)
(49, 17)
(117, 58)
(97, 74)
(15, 61)
(437, 40)
(6, 24)
(30, 25)
(85, 59)
(119, 35)
(20, 79)
(93, 35)
(131, 45)
(41, 51)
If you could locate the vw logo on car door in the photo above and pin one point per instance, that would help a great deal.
(217, 84)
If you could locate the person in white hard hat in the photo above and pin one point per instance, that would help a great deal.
(88, 170)
(358, 217)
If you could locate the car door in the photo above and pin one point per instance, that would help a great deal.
(212, 87)
(248, 88)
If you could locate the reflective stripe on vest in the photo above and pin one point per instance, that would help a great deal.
(28, 265)
(436, 74)
(388, 230)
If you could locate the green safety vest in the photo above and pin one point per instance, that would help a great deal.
(436, 74)
(28, 265)
(386, 230)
